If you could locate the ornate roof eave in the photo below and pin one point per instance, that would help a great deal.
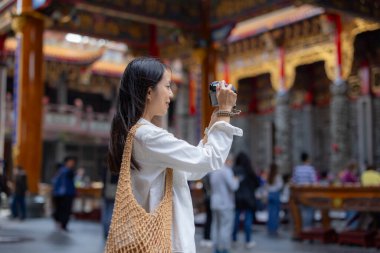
(369, 10)
(106, 68)
(272, 21)
(252, 9)
(111, 69)
(61, 54)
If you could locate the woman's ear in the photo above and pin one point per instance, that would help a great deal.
(149, 93)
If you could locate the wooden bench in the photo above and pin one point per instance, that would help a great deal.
(325, 198)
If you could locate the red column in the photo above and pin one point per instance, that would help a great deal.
(337, 21)
(27, 143)
(2, 46)
(192, 93)
(153, 47)
(281, 52)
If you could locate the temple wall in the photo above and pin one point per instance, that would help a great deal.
(301, 128)
(321, 132)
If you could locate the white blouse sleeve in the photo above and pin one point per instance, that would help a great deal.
(193, 176)
(166, 149)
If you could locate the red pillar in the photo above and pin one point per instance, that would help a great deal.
(337, 21)
(2, 46)
(153, 47)
(27, 143)
(282, 69)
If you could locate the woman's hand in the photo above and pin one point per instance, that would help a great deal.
(226, 97)
(226, 100)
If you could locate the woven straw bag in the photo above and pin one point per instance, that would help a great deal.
(132, 228)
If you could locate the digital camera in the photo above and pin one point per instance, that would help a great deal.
(212, 92)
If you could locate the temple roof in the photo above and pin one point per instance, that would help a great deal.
(63, 54)
(104, 58)
(273, 20)
(130, 21)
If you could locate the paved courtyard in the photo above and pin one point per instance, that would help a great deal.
(40, 235)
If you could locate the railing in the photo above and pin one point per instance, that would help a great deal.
(67, 119)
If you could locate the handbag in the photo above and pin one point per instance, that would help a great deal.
(133, 229)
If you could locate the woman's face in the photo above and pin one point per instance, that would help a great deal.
(158, 99)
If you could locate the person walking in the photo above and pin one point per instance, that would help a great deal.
(245, 197)
(145, 93)
(223, 185)
(64, 192)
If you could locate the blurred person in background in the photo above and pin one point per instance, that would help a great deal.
(349, 174)
(274, 186)
(370, 177)
(64, 192)
(3, 181)
(245, 199)
(18, 205)
(304, 174)
(109, 192)
(223, 185)
(206, 241)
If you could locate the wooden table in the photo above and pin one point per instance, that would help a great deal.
(325, 198)
(92, 197)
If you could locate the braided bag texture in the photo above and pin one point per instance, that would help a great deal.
(132, 228)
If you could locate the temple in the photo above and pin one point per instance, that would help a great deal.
(307, 73)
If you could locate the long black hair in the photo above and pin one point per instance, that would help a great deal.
(244, 162)
(140, 75)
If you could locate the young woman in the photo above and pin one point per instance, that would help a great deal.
(145, 93)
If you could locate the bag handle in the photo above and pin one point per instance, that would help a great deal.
(125, 174)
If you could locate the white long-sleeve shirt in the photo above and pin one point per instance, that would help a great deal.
(223, 185)
(154, 149)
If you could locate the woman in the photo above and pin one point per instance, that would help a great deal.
(144, 94)
(274, 186)
(245, 197)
